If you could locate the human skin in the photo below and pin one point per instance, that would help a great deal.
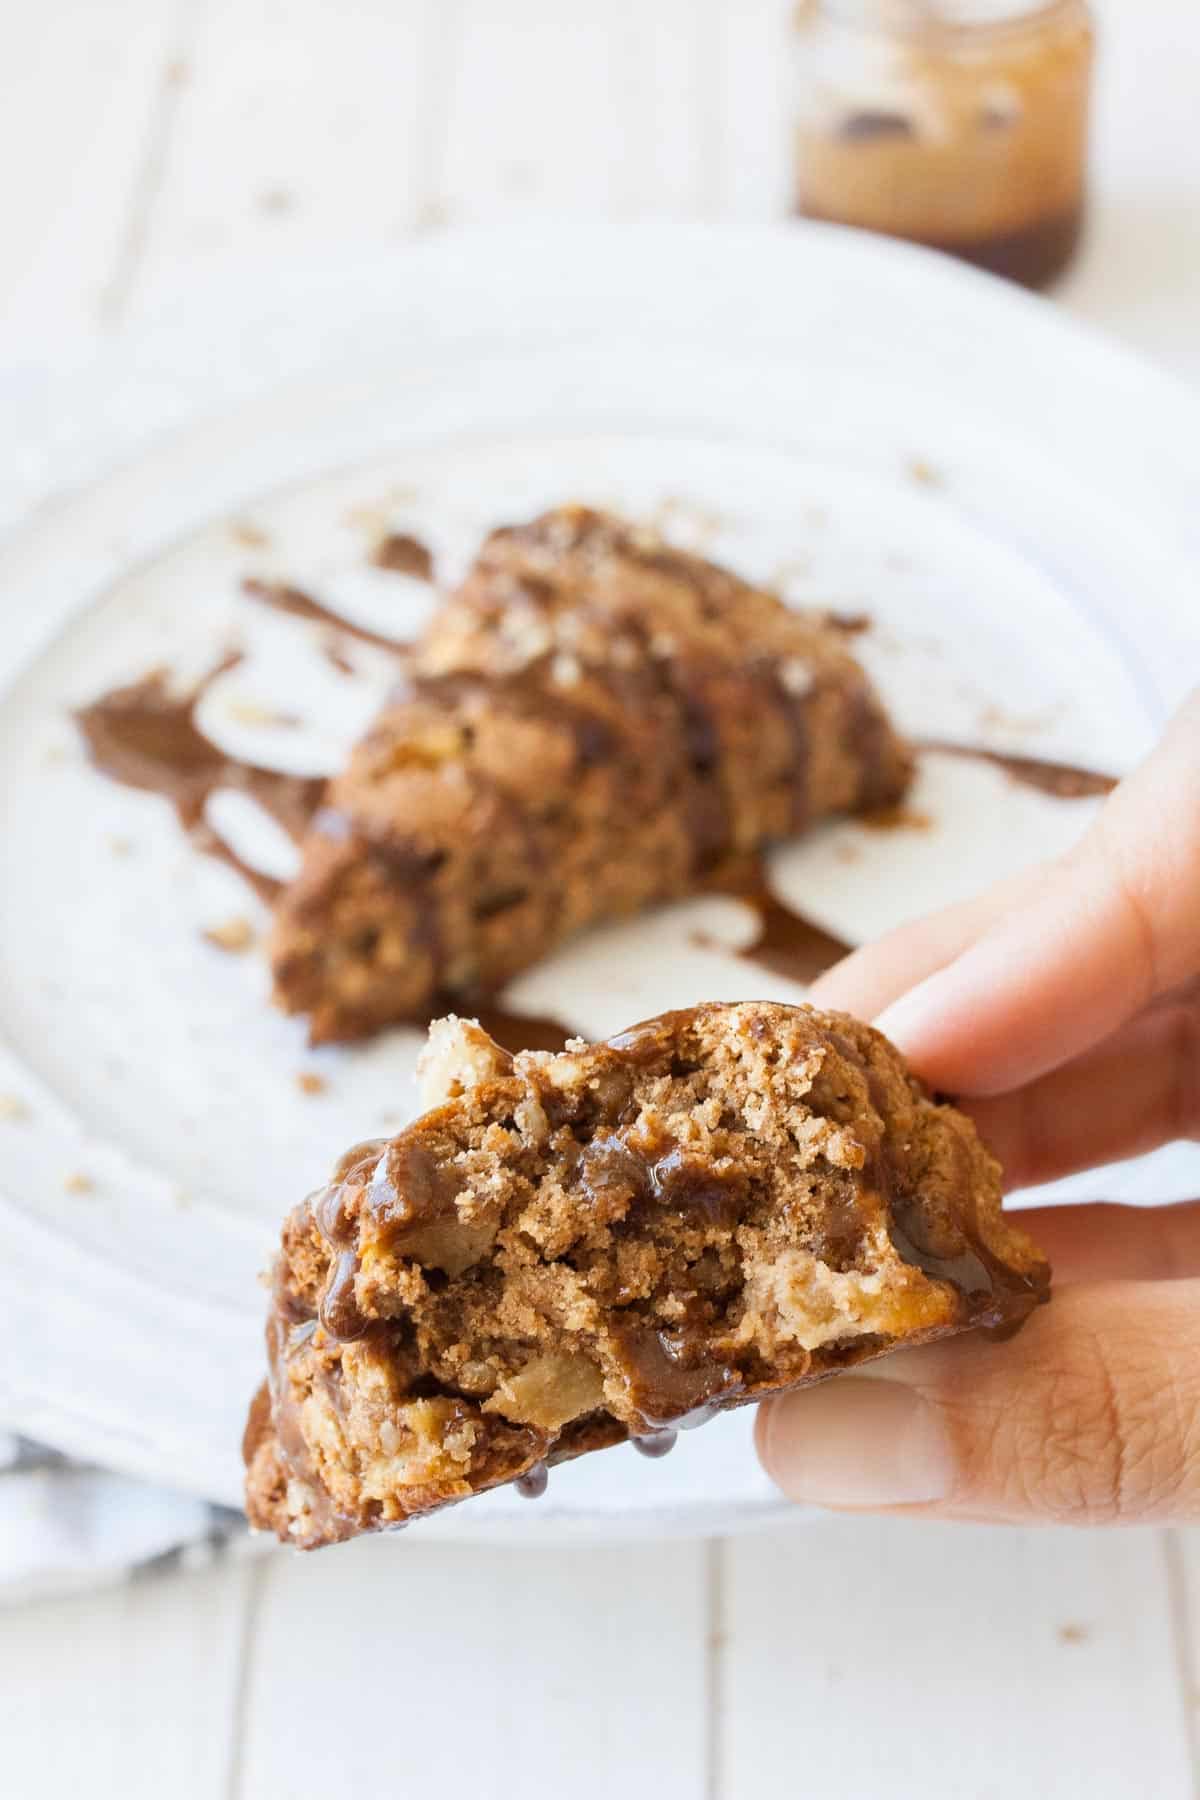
(1062, 1008)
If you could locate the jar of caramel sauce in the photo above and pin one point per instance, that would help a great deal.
(961, 124)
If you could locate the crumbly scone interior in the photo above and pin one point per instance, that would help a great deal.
(572, 1249)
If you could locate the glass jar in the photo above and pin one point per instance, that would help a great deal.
(961, 124)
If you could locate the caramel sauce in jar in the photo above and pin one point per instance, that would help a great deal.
(960, 124)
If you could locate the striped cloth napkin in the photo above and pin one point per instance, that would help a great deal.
(66, 1526)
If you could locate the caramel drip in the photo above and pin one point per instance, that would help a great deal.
(664, 1386)
(655, 1444)
(1061, 781)
(405, 554)
(301, 605)
(515, 1031)
(533, 1484)
(787, 942)
(145, 736)
(978, 1275)
(283, 1340)
(986, 1284)
(614, 1175)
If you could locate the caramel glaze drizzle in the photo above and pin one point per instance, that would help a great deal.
(145, 736)
(1062, 781)
(515, 1031)
(790, 944)
(669, 1385)
(405, 554)
(786, 943)
(533, 1484)
(284, 598)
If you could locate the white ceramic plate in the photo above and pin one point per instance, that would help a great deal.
(1017, 504)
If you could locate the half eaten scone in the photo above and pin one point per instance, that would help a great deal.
(571, 1250)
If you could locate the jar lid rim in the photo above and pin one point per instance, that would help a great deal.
(936, 18)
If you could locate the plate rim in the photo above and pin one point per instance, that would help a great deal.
(143, 345)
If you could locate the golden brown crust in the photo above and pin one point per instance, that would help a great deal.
(570, 1250)
(591, 724)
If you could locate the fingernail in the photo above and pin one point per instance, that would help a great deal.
(908, 1019)
(861, 1441)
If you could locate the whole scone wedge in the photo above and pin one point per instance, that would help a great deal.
(571, 1250)
(593, 723)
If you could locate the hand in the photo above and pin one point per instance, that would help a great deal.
(1063, 1007)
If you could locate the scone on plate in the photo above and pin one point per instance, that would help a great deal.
(593, 723)
(571, 1250)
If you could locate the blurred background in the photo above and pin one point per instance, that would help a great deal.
(151, 147)
(161, 155)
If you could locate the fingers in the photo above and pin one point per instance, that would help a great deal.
(1091, 1415)
(1114, 1243)
(878, 974)
(1116, 925)
(1139, 1089)
(995, 991)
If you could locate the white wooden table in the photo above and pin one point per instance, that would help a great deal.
(148, 145)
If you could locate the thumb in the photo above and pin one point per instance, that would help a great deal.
(1090, 1416)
